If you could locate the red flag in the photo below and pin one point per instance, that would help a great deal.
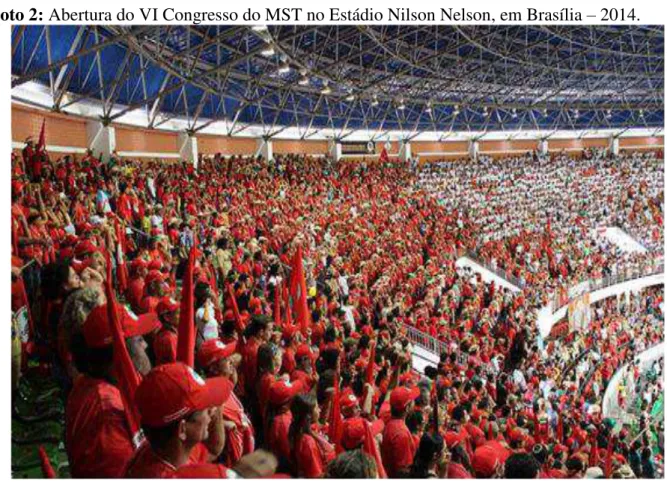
(370, 447)
(121, 267)
(235, 307)
(276, 305)
(288, 311)
(299, 292)
(608, 463)
(335, 419)
(128, 378)
(47, 468)
(489, 431)
(559, 429)
(15, 239)
(383, 155)
(42, 136)
(594, 452)
(185, 348)
(216, 293)
(370, 368)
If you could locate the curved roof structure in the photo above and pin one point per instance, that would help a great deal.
(345, 78)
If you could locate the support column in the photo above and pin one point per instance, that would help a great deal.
(188, 148)
(405, 151)
(335, 149)
(101, 138)
(543, 147)
(264, 148)
(473, 148)
(614, 146)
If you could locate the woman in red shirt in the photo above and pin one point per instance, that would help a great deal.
(310, 451)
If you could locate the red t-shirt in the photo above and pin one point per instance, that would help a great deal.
(98, 439)
(310, 458)
(146, 464)
(277, 438)
(398, 449)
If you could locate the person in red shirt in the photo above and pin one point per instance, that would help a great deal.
(97, 436)
(279, 419)
(135, 289)
(258, 331)
(154, 290)
(180, 417)
(310, 451)
(304, 367)
(166, 340)
(218, 359)
(398, 448)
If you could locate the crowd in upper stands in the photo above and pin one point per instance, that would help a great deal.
(252, 317)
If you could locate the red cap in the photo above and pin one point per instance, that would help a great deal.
(85, 248)
(304, 350)
(348, 399)
(155, 275)
(97, 328)
(401, 397)
(155, 264)
(488, 458)
(79, 266)
(228, 315)
(452, 439)
(166, 305)
(559, 449)
(172, 391)
(213, 350)
(354, 432)
(137, 264)
(282, 392)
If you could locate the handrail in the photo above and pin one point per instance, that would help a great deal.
(431, 344)
(504, 274)
(598, 284)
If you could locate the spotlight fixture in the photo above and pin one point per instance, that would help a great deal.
(375, 101)
(513, 113)
(260, 28)
(304, 81)
(428, 109)
(326, 90)
(283, 69)
(268, 51)
(350, 98)
(401, 106)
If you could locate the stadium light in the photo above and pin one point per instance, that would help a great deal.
(268, 51)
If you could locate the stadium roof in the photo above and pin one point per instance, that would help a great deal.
(375, 78)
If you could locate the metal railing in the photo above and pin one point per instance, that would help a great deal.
(629, 274)
(431, 344)
(501, 273)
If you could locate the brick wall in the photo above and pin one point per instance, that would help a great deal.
(60, 129)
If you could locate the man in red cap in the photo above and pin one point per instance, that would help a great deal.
(398, 447)
(219, 359)
(180, 416)
(304, 367)
(98, 440)
(166, 340)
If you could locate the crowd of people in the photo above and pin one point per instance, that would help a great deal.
(539, 218)
(248, 317)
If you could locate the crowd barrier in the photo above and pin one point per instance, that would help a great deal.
(610, 406)
(656, 266)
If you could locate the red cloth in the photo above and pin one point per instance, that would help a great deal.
(185, 350)
(135, 293)
(397, 448)
(97, 437)
(311, 456)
